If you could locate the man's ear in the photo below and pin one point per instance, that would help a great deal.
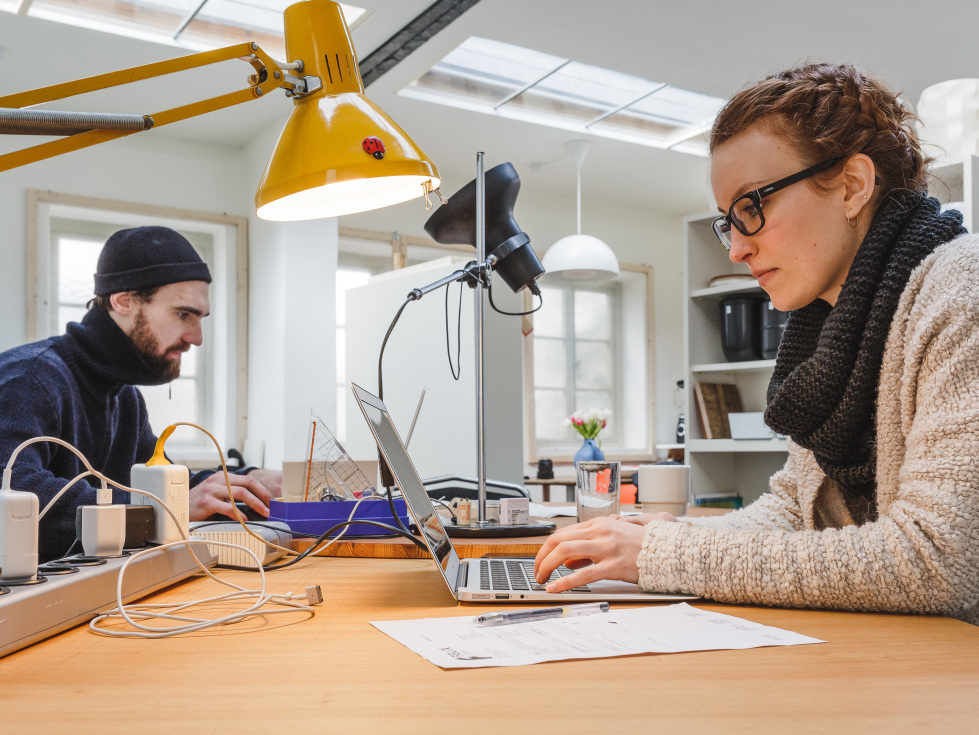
(122, 303)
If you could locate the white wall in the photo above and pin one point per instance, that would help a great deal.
(147, 169)
(444, 441)
(636, 236)
(292, 341)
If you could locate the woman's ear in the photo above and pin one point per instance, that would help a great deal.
(860, 177)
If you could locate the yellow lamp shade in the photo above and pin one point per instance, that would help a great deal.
(326, 165)
(339, 153)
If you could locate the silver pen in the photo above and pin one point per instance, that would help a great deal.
(525, 616)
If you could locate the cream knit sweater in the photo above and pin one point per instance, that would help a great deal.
(796, 546)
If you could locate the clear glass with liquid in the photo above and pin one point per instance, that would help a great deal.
(597, 489)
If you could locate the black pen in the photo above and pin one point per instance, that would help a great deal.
(525, 616)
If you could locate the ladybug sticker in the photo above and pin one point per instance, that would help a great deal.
(374, 146)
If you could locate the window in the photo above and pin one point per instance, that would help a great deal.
(574, 348)
(590, 349)
(62, 254)
(189, 23)
(511, 81)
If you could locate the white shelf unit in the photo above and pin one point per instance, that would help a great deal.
(955, 182)
(721, 465)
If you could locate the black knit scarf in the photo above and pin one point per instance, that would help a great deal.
(823, 391)
(104, 358)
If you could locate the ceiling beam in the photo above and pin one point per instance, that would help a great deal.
(396, 49)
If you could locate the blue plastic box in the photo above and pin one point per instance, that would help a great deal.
(317, 517)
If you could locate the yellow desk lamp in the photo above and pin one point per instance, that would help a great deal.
(339, 153)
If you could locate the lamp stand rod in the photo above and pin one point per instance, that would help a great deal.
(478, 291)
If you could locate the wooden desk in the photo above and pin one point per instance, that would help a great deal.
(334, 673)
(467, 548)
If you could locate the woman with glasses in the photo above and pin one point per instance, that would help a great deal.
(820, 183)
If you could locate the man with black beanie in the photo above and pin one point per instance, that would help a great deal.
(151, 295)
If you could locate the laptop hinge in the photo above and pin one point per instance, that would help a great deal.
(462, 575)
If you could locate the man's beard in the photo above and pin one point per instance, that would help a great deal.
(149, 347)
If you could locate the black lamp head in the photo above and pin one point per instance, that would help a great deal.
(455, 223)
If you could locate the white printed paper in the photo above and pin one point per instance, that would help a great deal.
(454, 643)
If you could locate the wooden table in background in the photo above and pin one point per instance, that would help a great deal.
(334, 673)
(467, 548)
(566, 482)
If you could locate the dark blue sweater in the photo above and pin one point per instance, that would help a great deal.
(79, 387)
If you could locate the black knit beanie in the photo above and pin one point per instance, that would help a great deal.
(147, 257)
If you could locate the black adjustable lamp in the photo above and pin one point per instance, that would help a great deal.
(454, 223)
(481, 214)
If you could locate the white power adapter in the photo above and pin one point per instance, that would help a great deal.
(170, 485)
(103, 529)
(18, 533)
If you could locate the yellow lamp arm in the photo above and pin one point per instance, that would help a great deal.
(268, 77)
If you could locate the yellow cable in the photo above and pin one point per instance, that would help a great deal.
(158, 452)
(159, 457)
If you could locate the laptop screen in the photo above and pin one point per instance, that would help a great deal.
(419, 504)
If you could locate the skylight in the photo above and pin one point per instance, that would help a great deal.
(193, 24)
(511, 81)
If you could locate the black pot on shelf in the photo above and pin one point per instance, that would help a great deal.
(772, 328)
(741, 328)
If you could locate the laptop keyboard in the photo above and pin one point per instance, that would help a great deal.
(516, 574)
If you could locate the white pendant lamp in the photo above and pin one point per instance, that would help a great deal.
(580, 257)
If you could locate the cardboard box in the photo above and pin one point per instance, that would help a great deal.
(750, 425)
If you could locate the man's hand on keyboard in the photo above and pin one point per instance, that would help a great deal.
(602, 548)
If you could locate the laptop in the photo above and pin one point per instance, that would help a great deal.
(477, 580)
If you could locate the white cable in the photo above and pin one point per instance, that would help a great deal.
(8, 471)
(60, 493)
(191, 624)
(336, 538)
(262, 596)
(146, 611)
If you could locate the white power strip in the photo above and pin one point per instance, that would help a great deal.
(232, 533)
(34, 612)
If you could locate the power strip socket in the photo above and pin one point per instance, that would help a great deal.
(275, 532)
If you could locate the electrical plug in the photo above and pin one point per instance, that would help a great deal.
(314, 595)
(18, 533)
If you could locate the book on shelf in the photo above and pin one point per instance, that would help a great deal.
(714, 402)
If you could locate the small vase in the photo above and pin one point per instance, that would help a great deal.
(589, 452)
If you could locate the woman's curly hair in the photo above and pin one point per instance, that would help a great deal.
(832, 111)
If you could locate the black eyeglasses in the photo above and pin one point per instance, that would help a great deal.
(746, 213)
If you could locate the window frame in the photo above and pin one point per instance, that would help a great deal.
(43, 206)
(645, 454)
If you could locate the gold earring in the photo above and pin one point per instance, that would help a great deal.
(852, 222)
